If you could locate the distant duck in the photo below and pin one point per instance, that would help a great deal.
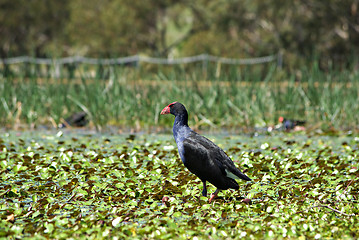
(290, 124)
(75, 120)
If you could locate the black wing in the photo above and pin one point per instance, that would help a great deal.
(209, 162)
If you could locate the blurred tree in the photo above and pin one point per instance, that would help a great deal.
(123, 27)
(328, 29)
(230, 28)
(29, 27)
(237, 28)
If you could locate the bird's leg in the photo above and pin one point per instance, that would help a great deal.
(213, 195)
(204, 192)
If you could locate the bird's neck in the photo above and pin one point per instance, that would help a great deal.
(180, 128)
(181, 120)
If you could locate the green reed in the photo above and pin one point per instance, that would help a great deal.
(216, 96)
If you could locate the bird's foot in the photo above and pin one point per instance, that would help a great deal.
(213, 195)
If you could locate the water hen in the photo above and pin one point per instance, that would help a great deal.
(201, 156)
(291, 124)
(77, 119)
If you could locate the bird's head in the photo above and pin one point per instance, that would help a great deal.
(167, 110)
(281, 119)
(174, 108)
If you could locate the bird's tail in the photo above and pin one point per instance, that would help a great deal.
(243, 176)
(237, 174)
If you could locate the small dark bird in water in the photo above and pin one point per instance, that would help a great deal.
(75, 120)
(201, 156)
(290, 124)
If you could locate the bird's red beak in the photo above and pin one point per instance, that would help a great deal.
(166, 110)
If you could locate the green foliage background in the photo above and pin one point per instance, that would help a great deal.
(234, 28)
(235, 99)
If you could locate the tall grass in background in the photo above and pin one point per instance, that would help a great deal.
(216, 96)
